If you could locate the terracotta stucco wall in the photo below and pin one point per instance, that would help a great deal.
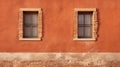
(58, 19)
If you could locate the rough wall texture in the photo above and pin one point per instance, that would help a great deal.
(59, 59)
(58, 20)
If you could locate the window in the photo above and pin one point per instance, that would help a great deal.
(85, 26)
(30, 27)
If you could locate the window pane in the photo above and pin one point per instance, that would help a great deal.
(27, 32)
(88, 19)
(80, 19)
(35, 32)
(88, 32)
(80, 32)
(27, 18)
(35, 19)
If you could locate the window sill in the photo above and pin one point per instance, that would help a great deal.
(85, 39)
(30, 39)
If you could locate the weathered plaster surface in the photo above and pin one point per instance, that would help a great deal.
(60, 59)
(58, 26)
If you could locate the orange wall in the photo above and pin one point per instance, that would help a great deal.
(58, 19)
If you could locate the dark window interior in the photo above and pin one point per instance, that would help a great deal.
(30, 24)
(85, 24)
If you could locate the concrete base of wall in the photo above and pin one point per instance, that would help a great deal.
(59, 59)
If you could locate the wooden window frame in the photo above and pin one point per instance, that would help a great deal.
(94, 23)
(21, 23)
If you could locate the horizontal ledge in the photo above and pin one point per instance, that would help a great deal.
(30, 39)
(85, 39)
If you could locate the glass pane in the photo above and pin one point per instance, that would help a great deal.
(27, 19)
(35, 32)
(35, 19)
(80, 19)
(88, 19)
(80, 32)
(88, 32)
(27, 32)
